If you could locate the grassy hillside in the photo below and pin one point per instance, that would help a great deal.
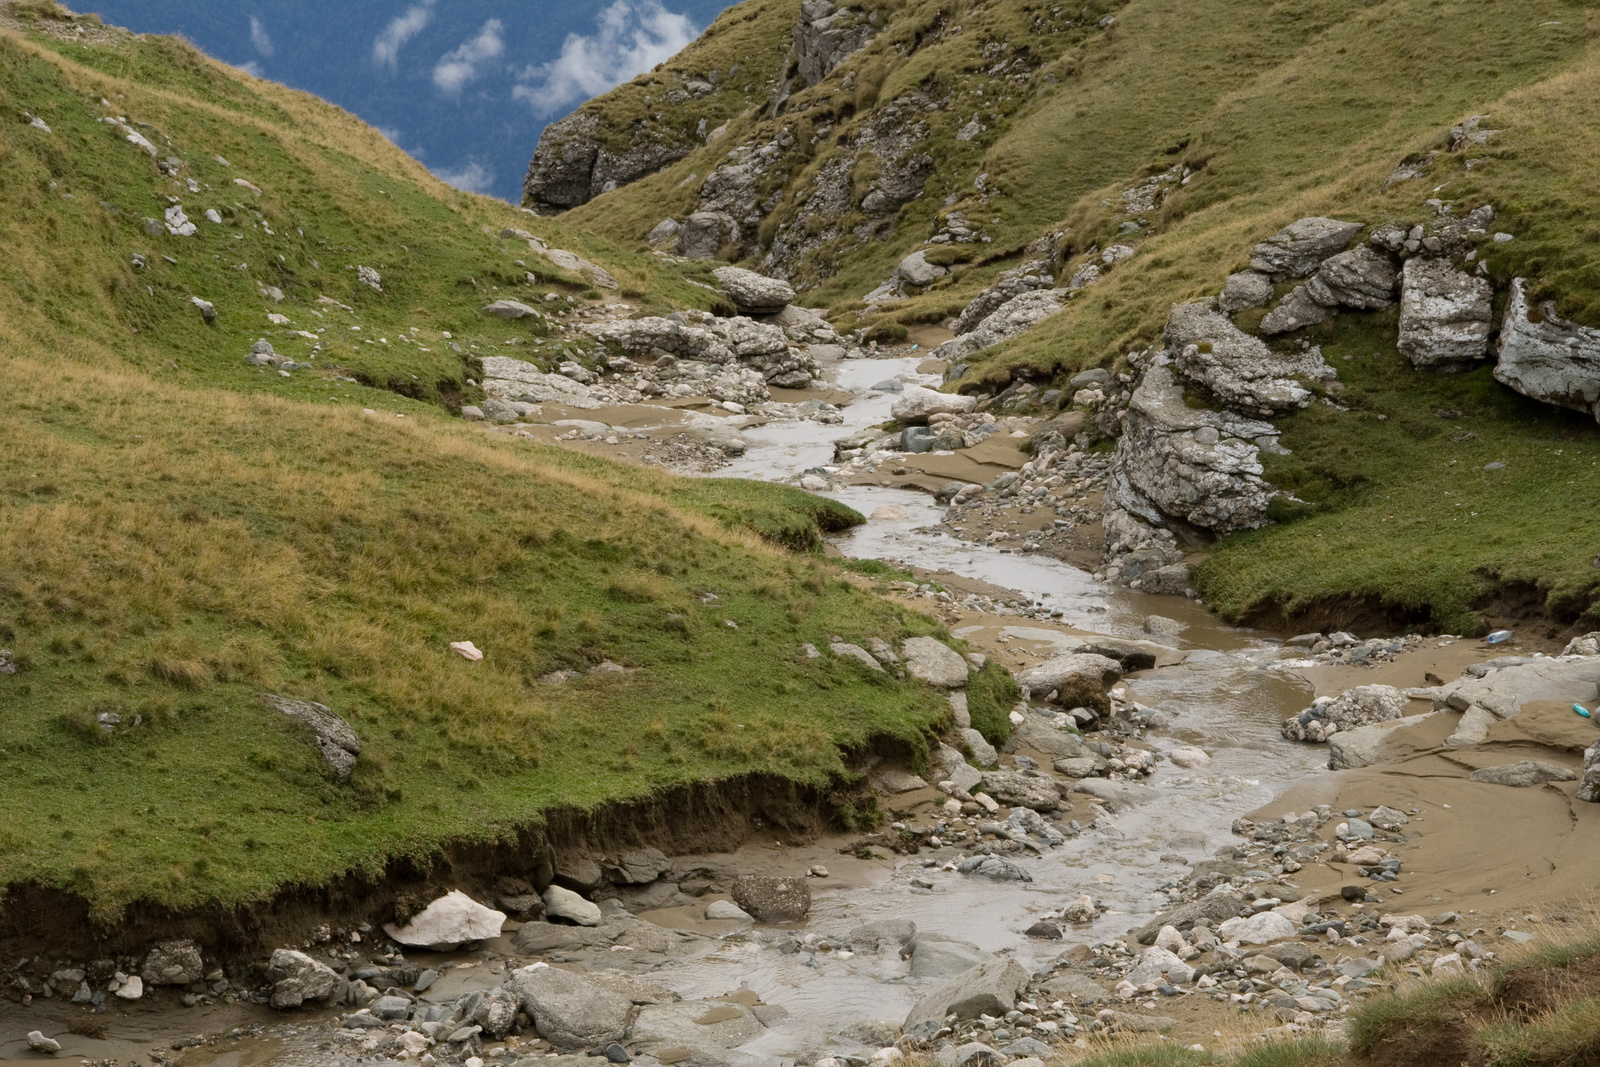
(1275, 112)
(181, 532)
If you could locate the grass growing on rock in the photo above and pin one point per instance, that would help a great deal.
(180, 533)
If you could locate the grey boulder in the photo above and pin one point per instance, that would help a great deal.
(1301, 247)
(1589, 784)
(1017, 790)
(1362, 705)
(569, 1011)
(297, 978)
(994, 868)
(695, 1024)
(1296, 311)
(704, 233)
(916, 270)
(510, 309)
(990, 988)
(1238, 369)
(1547, 358)
(1444, 315)
(1360, 278)
(915, 405)
(752, 293)
(1247, 289)
(937, 956)
(335, 739)
(934, 662)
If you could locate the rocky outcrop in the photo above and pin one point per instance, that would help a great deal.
(1364, 705)
(1301, 247)
(1174, 461)
(1240, 370)
(824, 37)
(507, 379)
(1444, 315)
(758, 346)
(1247, 289)
(1032, 275)
(703, 234)
(1361, 278)
(573, 162)
(1016, 316)
(335, 739)
(1547, 358)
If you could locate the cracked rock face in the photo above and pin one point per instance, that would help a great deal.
(1301, 247)
(572, 163)
(825, 36)
(1444, 315)
(1238, 369)
(1203, 467)
(752, 293)
(335, 739)
(1360, 278)
(1547, 358)
(1247, 289)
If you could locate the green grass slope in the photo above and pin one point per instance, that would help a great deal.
(180, 533)
(1276, 112)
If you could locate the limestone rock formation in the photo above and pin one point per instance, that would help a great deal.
(934, 662)
(1589, 784)
(573, 163)
(915, 405)
(1239, 370)
(1016, 316)
(1202, 467)
(1247, 289)
(704, 233)
(297, 978)
(988, 989)
(1547, 358)
(824, 37)
(1444, 315)
(752, 293)
(1360, 278)
(1301, 247)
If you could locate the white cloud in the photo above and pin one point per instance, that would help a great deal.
(259, 38)
(386, 48)
(632, 37)
(473, 177)
(253, 69)
(459, 67)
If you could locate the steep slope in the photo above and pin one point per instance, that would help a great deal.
(183, 530)
(1119, 160)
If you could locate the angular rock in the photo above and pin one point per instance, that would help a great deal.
(173, 963)
(983, 753)
(335, 739)
(1059, 672)
(514, 379)
(1444, 315)
(1247, 289)
(1202, 467)
(773, 900)
(1587, 645)
(1363, 746)
(452, 920)
(1360, 278)
(1301, 247)
(39, 1043)
(576, 264)
(988, 989)
(569, 1011)
(297, 978)
(494, 1010)
(1295, 312)
(916, 270)
(704, 233)
(824, 37)
(638, 866)
(665, 234)
(934, 662)
(562, 903)
(1240, 370)
(915, 405)
(1360, 706)
(1547, 358)
(1523, 773)
(873, 935)
(847, 650)
(752, 293)
(1045, 737)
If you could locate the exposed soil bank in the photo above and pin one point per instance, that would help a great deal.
(697, 818)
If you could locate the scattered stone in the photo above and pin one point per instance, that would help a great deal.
(1362, 705)
(173, 963)
(1188, 757)
(208, 310)
(1261, 929)
(994, 868)
(39, 1043)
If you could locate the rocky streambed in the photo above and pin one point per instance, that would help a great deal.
(1158, 847)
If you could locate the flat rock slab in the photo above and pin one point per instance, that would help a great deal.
(1523, 773)
(987, 989)
(568, 1010)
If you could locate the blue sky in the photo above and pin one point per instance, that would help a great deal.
(466, 86)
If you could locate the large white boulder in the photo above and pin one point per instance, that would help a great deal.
(916, 405)
(934, 662)
(1261, 929)
(565, 904)
(1548, 358)
(1444, 315)
(453, 919)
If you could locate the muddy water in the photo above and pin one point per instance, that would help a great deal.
(1220, 687)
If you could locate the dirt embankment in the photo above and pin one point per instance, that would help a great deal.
(694, 818)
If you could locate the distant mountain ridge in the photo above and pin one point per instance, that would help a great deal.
(478, 135)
